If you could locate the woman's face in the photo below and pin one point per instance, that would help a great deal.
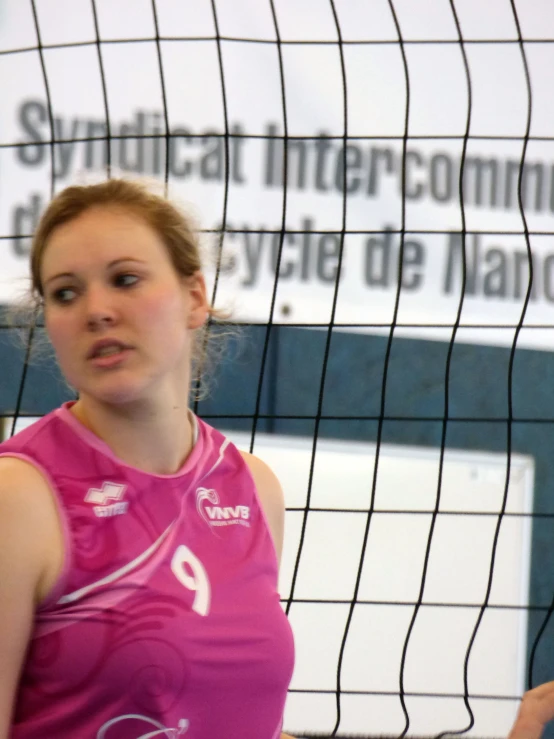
(118, 314)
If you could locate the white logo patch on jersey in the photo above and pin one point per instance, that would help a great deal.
(100, 498)
(181, 729)
(216, 515)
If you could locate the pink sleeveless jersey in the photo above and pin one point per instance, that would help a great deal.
(166, 620)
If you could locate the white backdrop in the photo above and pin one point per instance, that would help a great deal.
(251, 88)
(473, 486)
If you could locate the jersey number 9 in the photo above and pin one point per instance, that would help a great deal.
(194, 578)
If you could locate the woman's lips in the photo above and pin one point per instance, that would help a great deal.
(110, 360)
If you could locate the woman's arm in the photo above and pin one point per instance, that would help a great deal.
(271, 497)
(21, 558)
(29, 532)
(273, 503)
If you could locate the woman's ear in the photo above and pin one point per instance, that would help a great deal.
(197, 300)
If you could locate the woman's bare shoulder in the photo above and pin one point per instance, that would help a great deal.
(15, 471)
(29, 521)
(271, 497)
(26, 525)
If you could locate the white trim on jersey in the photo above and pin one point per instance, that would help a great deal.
(76, 594)
(218, 461)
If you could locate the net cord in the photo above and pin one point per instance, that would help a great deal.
(509, 421)
(34, 317)
(221, 233)
(385, 371)
(98, 45)
(163, 92)
(284, 202)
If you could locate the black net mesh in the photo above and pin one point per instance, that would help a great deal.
(366, 376)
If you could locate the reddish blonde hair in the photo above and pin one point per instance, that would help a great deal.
(173, 226)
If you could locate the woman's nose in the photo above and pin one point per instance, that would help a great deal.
(99, 307)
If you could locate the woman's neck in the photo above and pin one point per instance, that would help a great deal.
(155, 440)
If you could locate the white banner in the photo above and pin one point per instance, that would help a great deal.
(78, 92)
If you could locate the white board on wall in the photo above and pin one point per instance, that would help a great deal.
(460, 556)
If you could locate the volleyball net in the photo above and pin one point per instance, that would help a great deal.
(375, 188)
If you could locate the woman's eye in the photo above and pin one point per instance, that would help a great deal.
(64, 295)
(126, 280)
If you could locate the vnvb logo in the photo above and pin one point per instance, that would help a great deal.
(217, 515)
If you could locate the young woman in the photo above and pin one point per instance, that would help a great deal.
(139, 548)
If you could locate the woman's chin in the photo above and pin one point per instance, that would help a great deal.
(115, 392)
(130, 387)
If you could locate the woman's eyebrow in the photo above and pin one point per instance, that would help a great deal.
(113, 263)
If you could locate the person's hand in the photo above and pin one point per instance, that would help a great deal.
(536, 710)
